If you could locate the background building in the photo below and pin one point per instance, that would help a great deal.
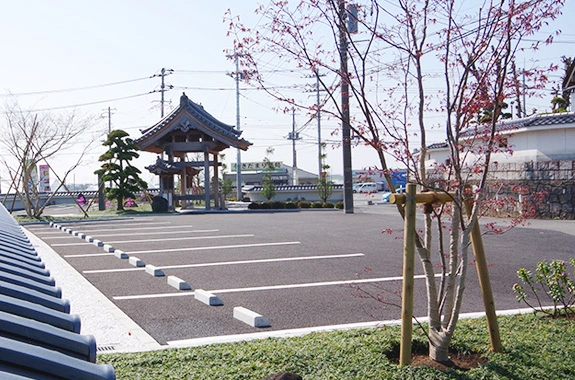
(281, 175)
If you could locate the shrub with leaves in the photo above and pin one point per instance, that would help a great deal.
(550, 281)
(291, 205)
(278, 205)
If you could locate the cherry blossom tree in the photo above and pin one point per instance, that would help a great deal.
(414, 68)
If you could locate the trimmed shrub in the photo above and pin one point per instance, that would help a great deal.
(304, 204)
(339, 205)
(291, 205)
(265, 205)
(328, 205)
(317, 205)
(278, 205)
(254, 206)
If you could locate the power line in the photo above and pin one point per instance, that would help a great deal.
(84, 104)
(225, 71)
(74, 88)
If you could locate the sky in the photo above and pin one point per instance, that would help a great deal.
(62, 56)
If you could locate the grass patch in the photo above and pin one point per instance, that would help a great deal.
(535, 347)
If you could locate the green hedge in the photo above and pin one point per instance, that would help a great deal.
(278, 205)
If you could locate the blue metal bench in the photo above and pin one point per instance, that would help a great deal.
(48, 336)
(39, 338)
(36, 362)
(27, 294)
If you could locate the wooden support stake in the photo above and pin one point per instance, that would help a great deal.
(422, 198)
(408, 276)
(410, 199)
(484, 283)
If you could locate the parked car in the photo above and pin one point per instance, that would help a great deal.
(385, 196)
(368, 187)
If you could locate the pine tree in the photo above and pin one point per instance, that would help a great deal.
(116, 168)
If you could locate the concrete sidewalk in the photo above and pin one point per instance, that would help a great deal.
(114, 331)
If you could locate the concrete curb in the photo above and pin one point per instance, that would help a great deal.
(207, 298)
(121, 254)
(250, 317)
(178, 283)
(133, 260)
(154, 271)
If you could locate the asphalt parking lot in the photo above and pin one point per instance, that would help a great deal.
(297, 269)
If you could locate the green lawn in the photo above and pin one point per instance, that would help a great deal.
(535, 348)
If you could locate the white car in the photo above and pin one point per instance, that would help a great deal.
(368, 187)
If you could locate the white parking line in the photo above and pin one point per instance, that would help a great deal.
(194, 342)
(189, 249)
(85, 226)
(120, 221)
(60, 236)
(165, 239)
(239, 262)
(217, 247)
(270, 287)
(90, 255)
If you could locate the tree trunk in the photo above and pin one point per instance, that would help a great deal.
(439, 345)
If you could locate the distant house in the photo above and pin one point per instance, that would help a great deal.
(281, 175)
(537, 138)
(539, 174)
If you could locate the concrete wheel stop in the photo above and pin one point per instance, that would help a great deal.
(250, 317)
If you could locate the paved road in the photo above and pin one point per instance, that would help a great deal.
(297, 269)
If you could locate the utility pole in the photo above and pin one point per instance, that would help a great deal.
(293, 136)
(319, 147)
(317, 90)
(237, 76)
(108, 113)
(345, 121)
(109, 120)
(524, 90)
(162, 90)
(163, 87)
(238, 127)
(110, 109)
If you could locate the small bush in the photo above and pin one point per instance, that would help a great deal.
(291, 205)
(317, 205)
(265, 205)
(304, 204)
(339, 205)
(254, 206)
(328, 205)
(278, 205)
(551, 281)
